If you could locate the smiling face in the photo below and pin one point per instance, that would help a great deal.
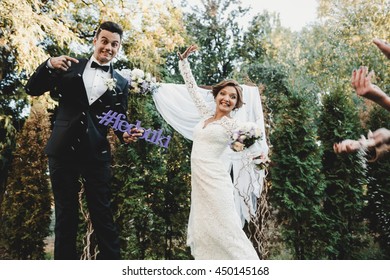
(226, 99)
(106, 46)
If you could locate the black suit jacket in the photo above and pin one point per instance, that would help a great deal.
(77, 132)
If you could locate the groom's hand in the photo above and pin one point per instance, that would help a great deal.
(133, 136)
(62, 62)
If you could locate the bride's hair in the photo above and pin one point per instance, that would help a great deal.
(218, 87)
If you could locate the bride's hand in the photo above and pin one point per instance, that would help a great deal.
(187, 52)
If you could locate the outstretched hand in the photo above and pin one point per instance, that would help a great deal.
(188, 51)
(383, 46)
(346, 146)
(374, 139)
(62, 62)
(361, 81)
(351, 146)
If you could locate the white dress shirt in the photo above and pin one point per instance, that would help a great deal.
(95, 81)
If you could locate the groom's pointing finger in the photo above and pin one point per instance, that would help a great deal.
(69, 58)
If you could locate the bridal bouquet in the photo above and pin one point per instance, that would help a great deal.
(140, 82)
(262, 162)
(245, 136)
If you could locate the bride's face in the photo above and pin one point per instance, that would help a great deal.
(226, 99)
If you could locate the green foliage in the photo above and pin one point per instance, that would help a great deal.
(26, 207)
(152, 190)
(348, 31)
(7, 133)
(329, 50)
(274, 78)
(258, 41)
(297, 182)
(346, 232)
(326, 53)
(215, 29)
(12, 104)
(378, 192)
(48, 22)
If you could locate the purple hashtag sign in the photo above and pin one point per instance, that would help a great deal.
(108, 118)
(118, 122)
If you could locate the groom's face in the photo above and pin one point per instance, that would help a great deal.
(106, 46)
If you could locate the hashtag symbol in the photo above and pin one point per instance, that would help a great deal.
(108, 118)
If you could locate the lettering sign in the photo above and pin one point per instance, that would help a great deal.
(118, 122)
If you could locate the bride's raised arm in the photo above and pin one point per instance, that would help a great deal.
(190, 82)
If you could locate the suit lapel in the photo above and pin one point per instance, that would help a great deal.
(79, 72)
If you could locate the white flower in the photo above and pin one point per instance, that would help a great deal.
(139, 82)
(148, 77)
(125, 73)
(238, 147)
(110, 83)
(257, 132)
(137, 74)
(136, 89)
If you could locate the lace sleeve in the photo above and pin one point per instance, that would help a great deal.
(190, 82)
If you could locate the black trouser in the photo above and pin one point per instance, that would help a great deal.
(65, 175)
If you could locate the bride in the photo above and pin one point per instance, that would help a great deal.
(214, 226)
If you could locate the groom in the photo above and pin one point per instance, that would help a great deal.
(78, 146)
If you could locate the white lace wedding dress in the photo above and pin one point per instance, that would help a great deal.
(214, 226)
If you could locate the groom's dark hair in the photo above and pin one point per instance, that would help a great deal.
(110, 26)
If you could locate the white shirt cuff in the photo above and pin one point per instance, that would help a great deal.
(49, 64)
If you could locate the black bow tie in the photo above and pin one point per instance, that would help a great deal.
(103, 67)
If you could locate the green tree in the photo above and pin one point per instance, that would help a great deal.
(26, 208)
(345, 177)
(329, 50)
(351, 26)
(297, 183)
(260, 39)
(326, 53)
(22, 47)
(378, 191)
(214, 28)
(6, 147)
